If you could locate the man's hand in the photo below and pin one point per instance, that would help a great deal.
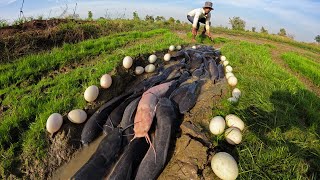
(194, 31)
(209, 34)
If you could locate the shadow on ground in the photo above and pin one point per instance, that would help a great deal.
(289, 134)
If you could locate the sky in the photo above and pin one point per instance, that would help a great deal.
(300, 18)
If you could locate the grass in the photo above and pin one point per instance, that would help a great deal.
(32, 67)
(282, 117)
(23, 126)
(303, 65)
(311, 47)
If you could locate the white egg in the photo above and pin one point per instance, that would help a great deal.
(127, 62)
(194, 47)
(152, 58)
(233, 100)
(224, 166)
(77, 116)
(234, 121)
(106, 81)
(229, 69)
(236, 93)
(232, 81)
(233, 136)
(167, 57)
(172, 48)
(229, 74)
(217, 125)
(91, 93)
(150, 68)
(179, 47)
(225, 63)
(139, 70)
(223, 58)
(54, 123)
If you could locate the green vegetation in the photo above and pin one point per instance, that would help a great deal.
(282, 32)
(282, 117)
(317, 38)
(31, 67)
(303, 65)
(237, 23)
(276, 38)
(22, 128)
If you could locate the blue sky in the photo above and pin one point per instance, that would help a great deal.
(299, 17)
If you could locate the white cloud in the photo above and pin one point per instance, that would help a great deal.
(6, 2)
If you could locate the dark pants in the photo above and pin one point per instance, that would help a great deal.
(202, 20)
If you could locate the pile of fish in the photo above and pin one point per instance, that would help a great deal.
(139, 123)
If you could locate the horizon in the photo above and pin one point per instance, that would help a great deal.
(271, 14)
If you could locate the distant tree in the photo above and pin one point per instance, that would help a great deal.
(178, 21)
(263, 30)
(237, 23)
(149, 18)
(90, 15)
(253, 29)
(136, 16)
(317, 38)
(282, 32)
(160, 18)
(171, 20)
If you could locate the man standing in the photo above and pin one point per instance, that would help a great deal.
(201, 15)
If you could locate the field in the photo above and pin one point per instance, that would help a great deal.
(279, 79)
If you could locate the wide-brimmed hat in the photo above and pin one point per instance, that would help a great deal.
(208, 4)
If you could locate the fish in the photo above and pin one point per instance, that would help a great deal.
(93, 127)
(150, 168)
(126, 166)
(221, 71)
(128, 119)
(146, 110)
(105, 155)
(115, 116)
(196, 61)
(186, 95)
(198, 72)
(213, 70)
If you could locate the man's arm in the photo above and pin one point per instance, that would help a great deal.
(208, 23)
(195, 20)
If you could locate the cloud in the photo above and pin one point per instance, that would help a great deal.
(6, 2)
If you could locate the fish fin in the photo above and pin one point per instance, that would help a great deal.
(149, 141)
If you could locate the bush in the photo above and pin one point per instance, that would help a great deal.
(237, 23)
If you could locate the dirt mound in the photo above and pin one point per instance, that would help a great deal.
(39, 35)
(193, 149)
(30, 26)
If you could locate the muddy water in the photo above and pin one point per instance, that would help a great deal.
(67, 170)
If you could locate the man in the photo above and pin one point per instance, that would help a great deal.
(201, 15)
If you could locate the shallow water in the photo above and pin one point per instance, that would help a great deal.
(80, 157)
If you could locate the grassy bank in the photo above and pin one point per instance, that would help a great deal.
(282, 117)
(23, 125)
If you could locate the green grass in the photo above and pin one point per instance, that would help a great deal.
(32, 67)
(303, 65)
(23, 126)
(206, 40)
(282, 117)
(311, 47)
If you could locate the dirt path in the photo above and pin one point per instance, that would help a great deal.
(276, 53)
